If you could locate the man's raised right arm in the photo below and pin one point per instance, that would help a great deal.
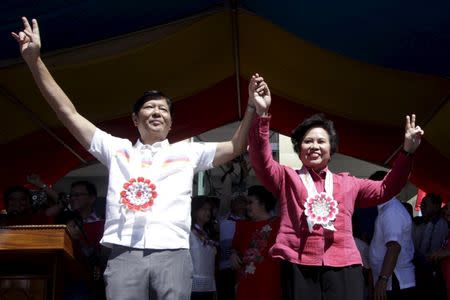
(30, 43)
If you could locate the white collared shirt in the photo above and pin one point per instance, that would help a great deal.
(203, 261)
(393, 223)
(171, 167)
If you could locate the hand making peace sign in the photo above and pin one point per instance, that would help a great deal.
(413, 134)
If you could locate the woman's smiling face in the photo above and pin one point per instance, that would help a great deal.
(315, 149)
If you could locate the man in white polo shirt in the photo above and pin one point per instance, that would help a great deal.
(392, 250)
(150, 184)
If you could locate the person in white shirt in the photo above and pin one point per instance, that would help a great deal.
(150, 183)
(392, 251)
(203, 250)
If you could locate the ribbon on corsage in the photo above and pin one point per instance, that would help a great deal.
(320, 208)
(138, 194)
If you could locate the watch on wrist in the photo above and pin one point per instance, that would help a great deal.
(383, 277)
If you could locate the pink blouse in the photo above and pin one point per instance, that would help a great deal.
(294, 242)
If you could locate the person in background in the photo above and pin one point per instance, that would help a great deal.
(83, 195)
(258, 275)
(392, 250)
(442, 255)
(434, 229)
(428, 237)
(86, 229)
(19, 209)
(227, 279)
(363, 248)
(203, 250)
(88, 285)
(213, 225)
(81, 200)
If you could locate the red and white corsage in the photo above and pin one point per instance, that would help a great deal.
(138, 194)
(321, 209)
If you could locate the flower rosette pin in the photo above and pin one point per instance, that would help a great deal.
(321, 209)
(138, 194)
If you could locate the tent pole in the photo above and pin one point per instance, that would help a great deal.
(425, 122)
(235, 37)
(37, 121)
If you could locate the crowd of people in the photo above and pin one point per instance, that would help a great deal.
(164, 245)
(41, 205)
(230, 253)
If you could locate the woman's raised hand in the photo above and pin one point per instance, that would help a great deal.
(413, 134)
(259, 94)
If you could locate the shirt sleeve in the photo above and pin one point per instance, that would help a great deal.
(371, 193)
(392, 226)
(268, 171)
(104, 146)
(202, 155)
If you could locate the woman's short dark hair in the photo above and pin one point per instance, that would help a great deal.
(151, 95)
(264, 196)
(317, 120)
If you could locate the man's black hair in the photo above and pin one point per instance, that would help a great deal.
(151, 95)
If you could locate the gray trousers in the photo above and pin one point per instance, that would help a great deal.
(148, 274)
